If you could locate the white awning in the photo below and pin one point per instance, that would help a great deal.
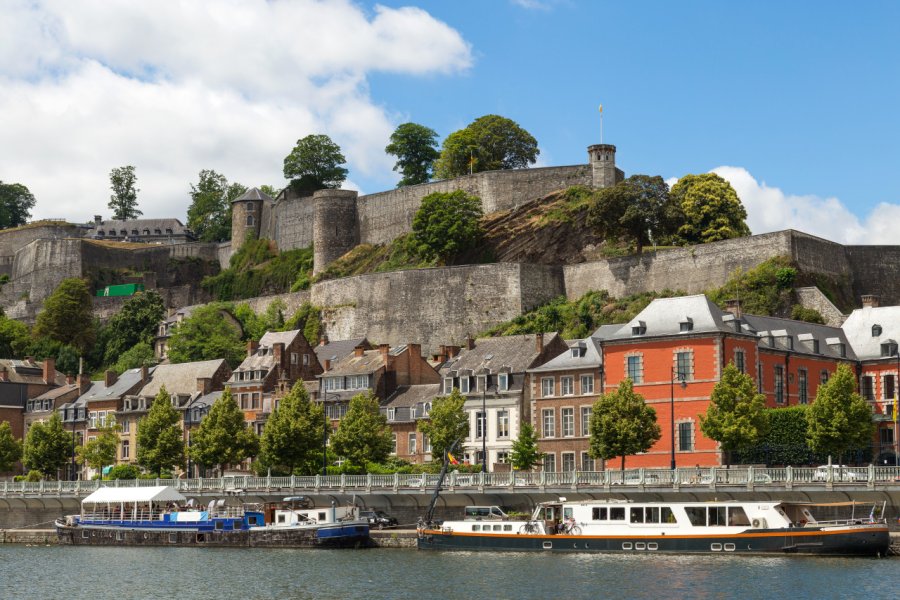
(116, 495)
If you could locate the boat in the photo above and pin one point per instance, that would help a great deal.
(624, 526)
(161, 516)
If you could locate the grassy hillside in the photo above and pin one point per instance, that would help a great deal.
(258, 268)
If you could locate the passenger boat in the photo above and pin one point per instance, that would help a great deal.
(161, 516)
(733, 527)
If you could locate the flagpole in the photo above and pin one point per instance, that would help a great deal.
(601, 123)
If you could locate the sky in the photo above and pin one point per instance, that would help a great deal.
(795, 103)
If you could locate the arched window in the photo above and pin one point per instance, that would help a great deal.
(876, 330)
(249, 220)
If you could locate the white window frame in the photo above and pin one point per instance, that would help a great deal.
(480, 424)
(567, 457)
(549, 462)
(567, 418)
(567, 386)
(411, 446)
(448, 385)
(548, 387)
(587, 390)
(548, 423)
(126, 449)
(464, 385)
(503, 382)
(586, 411)
(392, 414)
(502, 423)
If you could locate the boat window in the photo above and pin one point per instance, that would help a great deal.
(281, 518)
(321, 516)
(717, 516)
(696, 515)
(219, 525)
(507, 528)
(251, 520)
(598, 513)
(617, 513)
(498, 527)
(652, 513)
(476, 527)
(666, 515)
(637, 514)
(737, 516)
(567, 513)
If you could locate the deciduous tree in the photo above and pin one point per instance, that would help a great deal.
(839, 420)
(363, 434)
(123, 202)
(68, 315)
(137, 322)
(159, 442)
(446, 224)
(16, 202)
(291, 440)
(223, 437)
(206, 335)
(10, 448)
(101, 450)
(415, 147)
(47, 446)
(711, 207)
(447, 422)
(489, 143)
(622, 424)
(736, 416)
(209, 214)
(315, 163)
(525, 454)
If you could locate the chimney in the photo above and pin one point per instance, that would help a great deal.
(539, 342)
(870, 301)
(4, 374)
(278, 351)
(470, 342)
(452, 351)
(98, 219)
(384, 349)
(734, 307)
(29, 359)
(110, 378)
(70, 379)
(327, 365)
(145, 375)
(251, 347)
(442, 354)
(84, 383)
(358, 351)
(204, 385)
(49, 370)
(323, 340)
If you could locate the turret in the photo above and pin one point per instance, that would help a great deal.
(335, 226)
(246, 215)
(602, 158)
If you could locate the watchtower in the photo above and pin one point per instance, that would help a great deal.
(602, 158)
(246, 215)
(335, 226)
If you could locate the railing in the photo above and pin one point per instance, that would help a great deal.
(684, 478)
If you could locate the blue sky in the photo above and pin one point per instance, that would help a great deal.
(795, 103)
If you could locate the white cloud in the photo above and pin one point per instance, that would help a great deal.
(176, 87)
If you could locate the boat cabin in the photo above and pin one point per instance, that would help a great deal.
(482, 513)
(296, 511)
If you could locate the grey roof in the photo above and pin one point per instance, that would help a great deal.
(589, 356)
(180, 378)
(252, 194)
(175, 225)
(124, 385)
(369, 362)
(205, 400)
(858, 329)
(270, 338)
(25, 371)
(185, 311)
(338, 349)
(605, 331)
(413, 395)
(798, 336)
(55, 393)
(663, 317)
(264, 358)
(513, 352)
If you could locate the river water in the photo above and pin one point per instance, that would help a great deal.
(51, 572)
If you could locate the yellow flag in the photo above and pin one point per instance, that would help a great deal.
(601, 108)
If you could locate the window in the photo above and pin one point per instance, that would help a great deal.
(635, 366)
(867, 388)
(586, 412)
(254, 403)
(567, 386)
(126, 426)
(639, 328)
(426, 444)
(251, 207)
(306, 360)
(568, 461)
(549, 423)
(426, 409)
(547, 385)
(412, 412)
(759, 378)
(334, 383)
(294, 358)
(448, 385)
(550, 462)
(803, 386)
(464, 385)
(684, 365)
(779, 384)
(889, 349)
(685, 436)
(887, 437)
(503, 381)
(479, 425)
(482, 383)
(393, 443)
(502, 424)
(739, 361)
(249, 220)
(503, 458)
(598, 513)
(568, 423)
(587, 384)
(244, 401)
(93, 420)
(126, 449)
(587, 463)
(412, 443)
(876, 330)
(686, 325)
(888, 388)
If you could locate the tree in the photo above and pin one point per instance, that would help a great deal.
(16, 202)
(47, 446)
(292, 437)
(446, 224)
(139, 355)
(206, 335)
(622, 424)
(223, 437)
(10, 448)
(123, 201)
(839, 420)
(711, 207)
(68, 315)
(447, 422)
(363, 434)
(415, 147)
(639, 207)
(14, 337)
(209, 215)
(525, 453)
(315, 163)
(489, 143)
(134, 324)
(101, 450)
(736, 416)
(159, 442)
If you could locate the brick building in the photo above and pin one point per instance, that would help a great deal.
(408, 405)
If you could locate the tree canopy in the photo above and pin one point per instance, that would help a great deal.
(291, 440)
(135, 323)
(206, 335)
(159, 442)
(315, 163)
(525, 454)
(736, 416)
(488, 143)
(223, 437)
(415, 147)
(446, 224)
(622, 424)
(839, 420)
(711, 207)
(16, 202)
(123, 202)
(363, 434)
(68, 315)
(47, 446)
(10, 448)
(639, 208)
(209, 214)
(447, 422)
(100, 451)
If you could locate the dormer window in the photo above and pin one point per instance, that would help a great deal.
(815, 346)
(639, 328)
(123, 233)
(889, 348)
(146, 232)
(686, 325)
(427, 409)
(100, 233)
(392, 414)
(448, 385)
(168, 231)
(464, 385)
(876, 330)
(412, 412)
(503, 381)
(482, 383)
(134, 232)
(157, 232)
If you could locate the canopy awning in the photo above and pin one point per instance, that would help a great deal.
(116, 495)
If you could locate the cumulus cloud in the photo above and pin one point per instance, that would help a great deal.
(176, 87)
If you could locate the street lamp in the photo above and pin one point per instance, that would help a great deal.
(324, 434)
(484, 427)
(681, 378)
(896, 398)
(74, 414)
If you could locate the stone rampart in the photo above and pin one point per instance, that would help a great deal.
(812, 297)
(291, 223)
(292, 301)
(876, 270)
(11, 240)
(202, 250)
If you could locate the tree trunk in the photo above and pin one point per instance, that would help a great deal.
(640, 246)
(623, 463)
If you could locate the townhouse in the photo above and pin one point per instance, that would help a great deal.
(405, 408)
(21, 382)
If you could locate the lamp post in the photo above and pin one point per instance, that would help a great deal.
(672, 409)
(74, 414)
(324, 434)
(484, 426)
(896, 398)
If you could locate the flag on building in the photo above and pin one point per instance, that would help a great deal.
(452, 459)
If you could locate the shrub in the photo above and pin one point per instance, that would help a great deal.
(127, 471)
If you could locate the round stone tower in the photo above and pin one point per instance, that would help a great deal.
(602, 158)
(335, 226)
(246, 216)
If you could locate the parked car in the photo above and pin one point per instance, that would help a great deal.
(378, 519)
(838, 472)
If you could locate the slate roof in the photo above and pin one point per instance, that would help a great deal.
(124, 385)
(252, 194)
(407, 397)
(858, 329)
(57, 392)
(798, 336)
(117, 226)
(264, 358)
(663, 317)
(180, 378)
(513, 352)
(22, 371)
(369, 362)
(589, 356)
(185, 311)
(337, 349)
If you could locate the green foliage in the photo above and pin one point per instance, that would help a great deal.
(16, 202)
(314, 164)
(622, 424)
(68, 315)
(363, 434)
(134, 325)
(711, 207)
(139, 355)
(125, 471)
(488, 143)
(525, 454)
(257, 269)
(10, 448)
(415, 147)
(223, 437)
(291, 441)
(14, 337)
(785, 441)
(123, 202)
(309, 319)
(736, 416)
(101, 450)
(398, 255)
(159, 442)
(763, 290)
(637, 208)
(810, 315)
(570, 203)
(47, 446)
(446, 224)
(206, 335)
(209, 215)
(839, 420)
(447, 422)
